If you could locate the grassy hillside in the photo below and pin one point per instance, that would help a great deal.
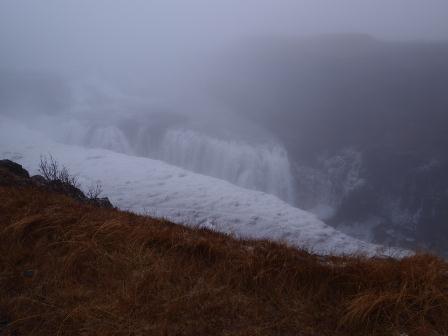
(68, 268)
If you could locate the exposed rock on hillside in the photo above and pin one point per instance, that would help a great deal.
(13, 174)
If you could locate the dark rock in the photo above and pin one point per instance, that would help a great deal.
(103, 202)
(14, 168)
(12, 173)
(28, 273)
(39, 180)
(66, 189)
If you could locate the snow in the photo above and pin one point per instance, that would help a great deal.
(153, 187)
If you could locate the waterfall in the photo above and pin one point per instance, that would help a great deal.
(261, 167)
(323, 187)
(109, 137)
(78, 133)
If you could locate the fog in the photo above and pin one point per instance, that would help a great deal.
(336, 107)
(122, 37)
(164, 45)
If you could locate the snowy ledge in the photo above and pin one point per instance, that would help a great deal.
(152, 187)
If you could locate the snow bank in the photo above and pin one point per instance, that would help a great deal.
(149, 186)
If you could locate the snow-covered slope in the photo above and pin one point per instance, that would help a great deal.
(150, 186)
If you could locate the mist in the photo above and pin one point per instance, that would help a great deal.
(122, 39)
(157, 48)
(335, 107)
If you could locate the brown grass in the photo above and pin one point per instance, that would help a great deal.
(72, 269)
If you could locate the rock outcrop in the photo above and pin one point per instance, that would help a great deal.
(13, 174)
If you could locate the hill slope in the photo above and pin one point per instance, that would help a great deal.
(69, 268)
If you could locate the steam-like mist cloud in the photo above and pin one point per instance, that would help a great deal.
(128, 38)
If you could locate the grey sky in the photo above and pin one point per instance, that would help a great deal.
(103, 34)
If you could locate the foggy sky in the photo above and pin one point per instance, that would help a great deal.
(86, 36)
(152, 64)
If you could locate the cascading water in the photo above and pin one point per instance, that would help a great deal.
(263, 167)
(94, 136)
(322, 188)
(109, 137)
(245, 156)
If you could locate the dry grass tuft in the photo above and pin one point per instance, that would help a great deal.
(73, 269)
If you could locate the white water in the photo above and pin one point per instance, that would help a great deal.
(321, 189)
(259, 167)
(262, 167)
